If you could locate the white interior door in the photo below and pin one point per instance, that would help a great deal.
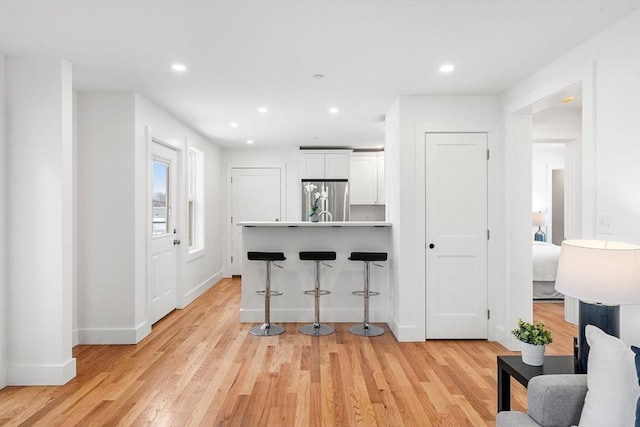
(255, 196)
(456, 235)
(163, 244)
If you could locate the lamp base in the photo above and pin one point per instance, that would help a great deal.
(540, 236)
(605, 317)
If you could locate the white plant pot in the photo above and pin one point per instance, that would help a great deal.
(532, 354)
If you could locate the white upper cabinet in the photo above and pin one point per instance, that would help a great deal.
(367, 179)
(312, 166)
(336, 165)
(332, 164)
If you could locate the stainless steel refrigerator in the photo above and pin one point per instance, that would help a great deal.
(325, 200)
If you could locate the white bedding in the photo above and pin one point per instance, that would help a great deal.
(545, 261)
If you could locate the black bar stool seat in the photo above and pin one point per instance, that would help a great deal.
(365, 329)
(317, 329)
(266, 256)
(317, 256)
(267, 328)
(368, 256)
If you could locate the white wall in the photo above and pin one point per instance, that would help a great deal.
(256, 157)
(39, 147)
(200, 273)
(253, 156)
(367, 213)
(106, 263)
(113, 132)
(3, 309)
(608, 65)
(407, 121)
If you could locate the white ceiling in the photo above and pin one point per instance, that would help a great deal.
(245, 54)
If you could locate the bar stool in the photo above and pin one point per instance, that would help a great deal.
(365, 329)
(267, 329)
(316, 329)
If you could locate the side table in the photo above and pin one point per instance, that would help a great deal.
(512, 366)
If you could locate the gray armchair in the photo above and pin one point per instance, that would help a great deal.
(552, 401)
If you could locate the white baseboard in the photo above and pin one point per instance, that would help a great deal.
(41, 374)
(193, 294)
(504, 338)
(3, 377)
(104, 336)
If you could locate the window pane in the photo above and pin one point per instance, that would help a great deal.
(159, 207)
(192, 219)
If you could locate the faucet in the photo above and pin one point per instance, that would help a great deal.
(327, 214)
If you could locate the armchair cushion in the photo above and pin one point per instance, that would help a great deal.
(552, 400)
(612, 382)
(556, 400)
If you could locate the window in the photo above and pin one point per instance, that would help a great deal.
(195, 200)
(159, 207)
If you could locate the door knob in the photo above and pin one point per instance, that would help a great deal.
(176, 242)
(431, 246)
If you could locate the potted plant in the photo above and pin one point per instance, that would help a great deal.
(533, 341)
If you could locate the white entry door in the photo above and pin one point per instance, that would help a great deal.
(456, 235)
(164, 240)
(255, 196)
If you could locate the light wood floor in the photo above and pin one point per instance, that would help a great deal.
(200, 366)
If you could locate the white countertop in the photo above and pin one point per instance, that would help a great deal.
(314, 224)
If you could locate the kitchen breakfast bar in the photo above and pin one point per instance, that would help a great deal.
(298, 276)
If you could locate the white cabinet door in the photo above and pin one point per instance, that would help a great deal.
(325, 165)
(312, 166)
(336, 166)
(364, 180)
(367, 179)
(381, 200)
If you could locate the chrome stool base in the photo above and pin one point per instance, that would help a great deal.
(266, 330)
(317, 330)
(366, 330)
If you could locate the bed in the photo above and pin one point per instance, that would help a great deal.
(545, 266)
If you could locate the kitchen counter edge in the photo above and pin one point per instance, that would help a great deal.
(314, 224)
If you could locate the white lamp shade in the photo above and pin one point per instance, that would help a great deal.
(539, 219)
(599, 271)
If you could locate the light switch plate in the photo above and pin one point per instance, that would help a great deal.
(605, 224)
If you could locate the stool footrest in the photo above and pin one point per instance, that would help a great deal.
(313, 292)
(361, 293)
(271, 294)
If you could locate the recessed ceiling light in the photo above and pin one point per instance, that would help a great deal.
(178, 67)
(568, 99)
(318, 76)
(334, 110)
(233, 124)
(447, 68)
(263, 110)
(250, 141)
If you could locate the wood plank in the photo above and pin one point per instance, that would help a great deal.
(200, 366)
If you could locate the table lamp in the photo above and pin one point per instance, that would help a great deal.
(538, 219)
(602, 275)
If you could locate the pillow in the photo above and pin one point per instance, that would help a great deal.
(636, 350)
(612, 386)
